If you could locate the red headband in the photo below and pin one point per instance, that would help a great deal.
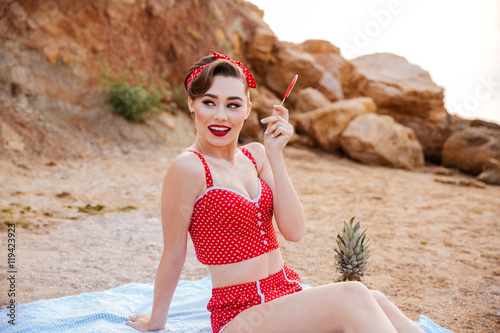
(248, 75)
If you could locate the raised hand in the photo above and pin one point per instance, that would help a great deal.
(279, 130)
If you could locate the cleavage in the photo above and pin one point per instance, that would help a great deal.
(224, 180)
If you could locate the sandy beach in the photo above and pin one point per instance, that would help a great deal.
(435, 246)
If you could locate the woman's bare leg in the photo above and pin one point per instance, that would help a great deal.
(402, 323)
(339, 307)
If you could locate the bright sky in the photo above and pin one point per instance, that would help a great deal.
(457, 41)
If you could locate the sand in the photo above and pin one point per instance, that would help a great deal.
(435, 246)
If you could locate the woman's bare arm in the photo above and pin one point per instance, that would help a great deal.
(288, 210)
(182, 183)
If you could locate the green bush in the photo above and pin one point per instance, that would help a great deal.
(132, 101)
(133, 94)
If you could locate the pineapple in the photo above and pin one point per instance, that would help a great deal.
(352, 253)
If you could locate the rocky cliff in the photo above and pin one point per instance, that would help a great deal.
(52, 105)
(51, 101)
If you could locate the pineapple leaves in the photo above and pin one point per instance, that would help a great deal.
(352, 252)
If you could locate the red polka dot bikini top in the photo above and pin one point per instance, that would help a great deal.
(227, 226)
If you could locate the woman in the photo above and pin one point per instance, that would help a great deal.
(225, 197)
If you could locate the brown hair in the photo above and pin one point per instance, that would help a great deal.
(214, 67)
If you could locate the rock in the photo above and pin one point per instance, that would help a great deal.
(430, 135)
(442, 171)
(310, 99)
(329, 60)
(260, 50)
(301, 140)
(23, 79)
(458, 123)
(460, 182)
(318, 46)
(396, 85)
(378, 139)
(330, 85)
(9, 139)
(48, 64)
(484, 123)
(120, 10)
(252, 127)
(51, 52)
(491, 174)
(291, 60)
(262, 101)
(325, 125)
(470, 149)
(18, 16)
(262, 105)
(67, 56)
(402, 90)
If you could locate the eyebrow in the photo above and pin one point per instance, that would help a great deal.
(229, 98)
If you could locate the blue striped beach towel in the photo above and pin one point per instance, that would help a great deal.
(107, 311)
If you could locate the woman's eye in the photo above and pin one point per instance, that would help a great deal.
(209, 103)
(233, 106)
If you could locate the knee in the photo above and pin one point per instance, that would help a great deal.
(354, 288)
(383, 301)
(349, 298)
(379, 296)
(354, 293)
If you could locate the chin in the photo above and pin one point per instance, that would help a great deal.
(222, 142)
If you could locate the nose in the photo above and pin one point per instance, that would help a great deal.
(220, 114)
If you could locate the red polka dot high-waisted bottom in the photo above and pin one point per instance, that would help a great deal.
(227, 302)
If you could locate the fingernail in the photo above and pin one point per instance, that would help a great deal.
(263, 120)
(275, 106)
(265, 132)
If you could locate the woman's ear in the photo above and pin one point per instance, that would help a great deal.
(249, 109)
(190, 104)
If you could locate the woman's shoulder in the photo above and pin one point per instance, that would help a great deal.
(187, 165)
(257, 149)
(258, 152)
(184, 180)
(254, 146)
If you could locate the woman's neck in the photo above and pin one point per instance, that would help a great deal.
(226, 152)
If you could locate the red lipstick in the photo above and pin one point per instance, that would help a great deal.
(219, 130)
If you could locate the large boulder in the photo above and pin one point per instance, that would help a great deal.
(291, 60)
(260, 50)
(378, 139)
(430, 134)
(329, 60)
(491, 173)
(325, 124)
(471, 149)
(310, 99)
(396, 85)
(484, 123)
(404, 91)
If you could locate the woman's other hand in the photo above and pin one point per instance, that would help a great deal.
(141, 322)
(279, 130)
